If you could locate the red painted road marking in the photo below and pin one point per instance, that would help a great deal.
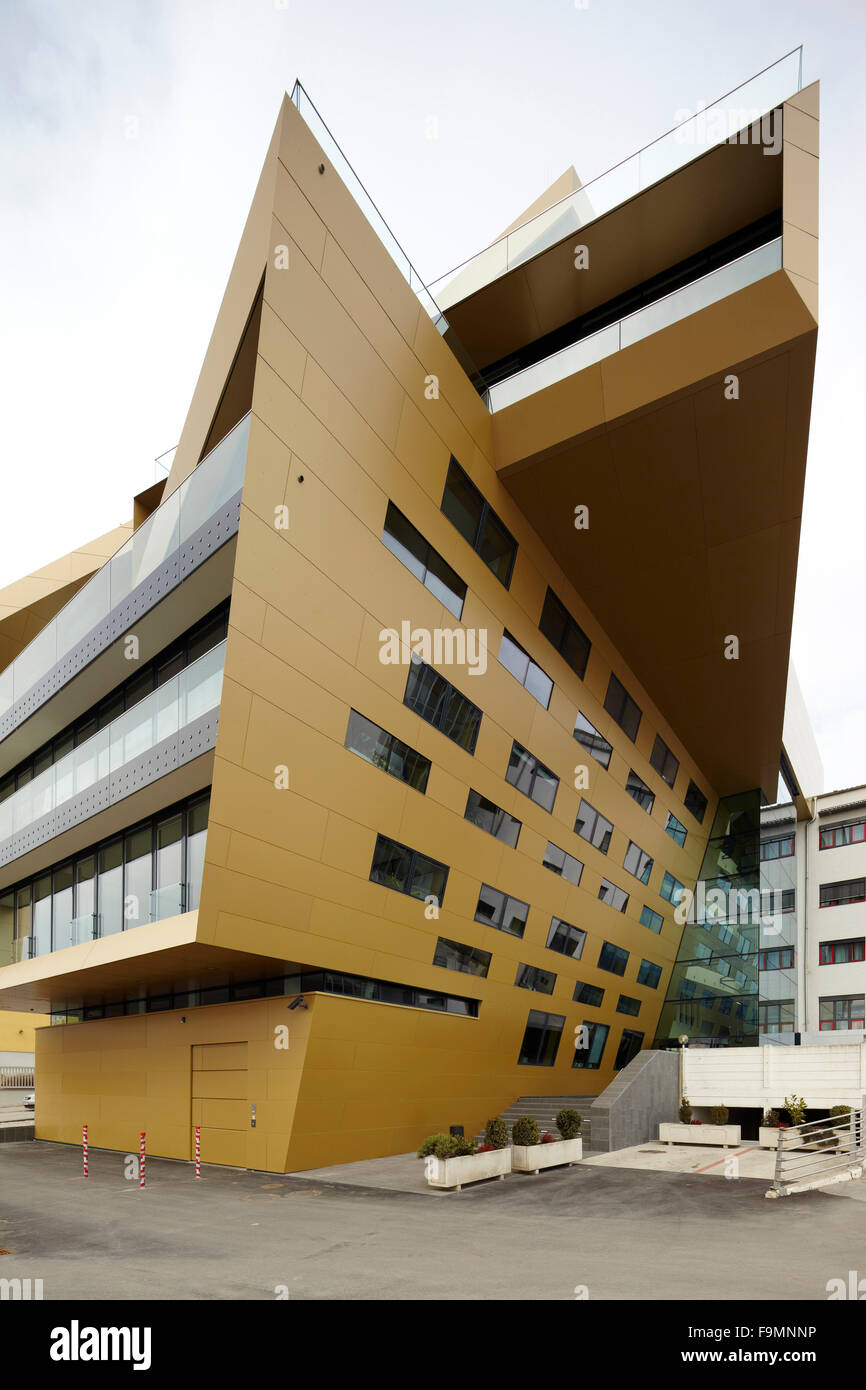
(751, 1150)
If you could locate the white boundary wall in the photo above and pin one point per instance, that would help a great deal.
(764, 1076)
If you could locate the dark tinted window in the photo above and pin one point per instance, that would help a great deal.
(649, 974)
(852, 890)
(653, 920)
(531, 977)
(696, 802)
(412, 550)
(664, 762)
(565, 938)
(439, 702)
(541, 1039)
(478, 523)
(630, 1045)
(406, 871)
(499, 910)
(453, 955)
(490, 817)
(530, 776)
(588, 994)
(386, 751)
(626, 1005)
(567, 636)
(612, 958)
(622, 708)
(594, 1035)
(638, 789)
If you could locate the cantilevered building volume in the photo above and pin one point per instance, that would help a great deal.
(461, 632)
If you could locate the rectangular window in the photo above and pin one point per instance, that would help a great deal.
(588, 994)
(612, 958)
(840, 952)
(565, 938)
(638, 862)
(453, 955)
(777, 849)
(781, 959)
(664, 762)
(419, 557)
(540, 1040)
(777, 900)
(622, 707)
(561, 863)
(567, 636)
(776, 1016)
(649, 974)
(588, 736)
(630, 1045)
(626, 1005)
(517, 660)
(531, 977)
(675, 829)
(653, 920)
(478, 523)
(490, 817)
(696, 802)
(591, 825)
(499, 910)
(639, 791)
(671, 890)
(614, 897)
(852, 890)
(835, 836)
(530, 776)
(441, 704)
(406, 871)
(840, 1013)
(386, 751)
(594, 1036)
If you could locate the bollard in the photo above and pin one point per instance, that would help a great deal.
(198, 1151)
(84, 1148)
(141, 1160)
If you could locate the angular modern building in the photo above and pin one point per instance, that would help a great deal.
(355, 795)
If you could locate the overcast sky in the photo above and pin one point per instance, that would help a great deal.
(132, 133)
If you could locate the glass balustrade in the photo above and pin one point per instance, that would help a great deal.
(169, 901)
(216, 479)
(709, 289)
(707, 128)
(179, 702)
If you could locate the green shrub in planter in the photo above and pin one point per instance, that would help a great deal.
(796, 1108)
(496, 1133)
(685, 1112)
(525, 1132)
(446, 1146)
(771, 1119)
(839, 1110)
(568, 1123)
(719, 1114)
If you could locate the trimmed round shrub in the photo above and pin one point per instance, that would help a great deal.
(719, 1114)
(568, 1123)
(685, 1112)
(496, 1133)
(525, 1132)
(771, 1119)
(839, 1110)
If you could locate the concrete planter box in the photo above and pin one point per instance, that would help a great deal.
(529, 1158)
(727, 1136)
(768, 1136)
(454, 1172)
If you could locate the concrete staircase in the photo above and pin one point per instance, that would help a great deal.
(544, 1109)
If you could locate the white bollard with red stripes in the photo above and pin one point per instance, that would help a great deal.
(84, 1148)
(141, 1160)
(198, 1151)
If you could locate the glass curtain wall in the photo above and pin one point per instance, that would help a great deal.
(713, 990)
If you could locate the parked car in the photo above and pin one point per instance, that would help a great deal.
(30, 1101)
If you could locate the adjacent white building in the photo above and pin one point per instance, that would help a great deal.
(813, 947)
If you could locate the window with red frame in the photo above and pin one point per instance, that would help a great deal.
(841, 952)
(840, 1013)
(837, 835)
(778, 849)
(781, 959)
(852, 890)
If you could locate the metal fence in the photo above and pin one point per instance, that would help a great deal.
(819, 1152)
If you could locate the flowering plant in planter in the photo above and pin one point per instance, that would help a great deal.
(547, 1138)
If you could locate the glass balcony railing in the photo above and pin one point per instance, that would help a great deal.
(216, 479)
(169, 901)
(709, 289)
(710, 126)
(179, 702)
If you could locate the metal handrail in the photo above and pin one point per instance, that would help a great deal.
(801, 1162)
